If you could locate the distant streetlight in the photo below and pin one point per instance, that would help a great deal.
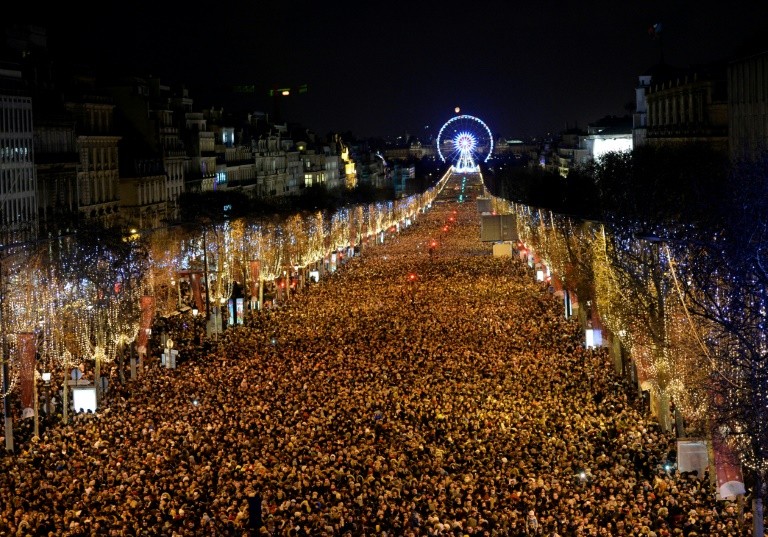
(46, 376)
(205, 275)
(66, 360)
(170, 354)
(412, 287)
(36, 425)
(277, 93)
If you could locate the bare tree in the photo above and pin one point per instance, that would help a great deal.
(723, 267)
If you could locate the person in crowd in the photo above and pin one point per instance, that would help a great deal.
(475, 411)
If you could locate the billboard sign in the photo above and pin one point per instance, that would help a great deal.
(498, 227)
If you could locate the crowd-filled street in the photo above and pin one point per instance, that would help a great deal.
(426, 388)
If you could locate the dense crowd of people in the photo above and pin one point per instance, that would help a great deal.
(419, 390)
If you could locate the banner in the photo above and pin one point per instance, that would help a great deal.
(730, 481)
(147, 314)
(239, 310)
(692, 456)
(26, 356)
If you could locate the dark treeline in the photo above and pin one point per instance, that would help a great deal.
(709, 214)
(689, 184)
(217, 206)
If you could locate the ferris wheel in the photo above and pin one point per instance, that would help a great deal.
(465, 141)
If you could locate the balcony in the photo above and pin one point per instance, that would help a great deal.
(234, 183)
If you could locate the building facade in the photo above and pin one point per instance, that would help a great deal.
(18, 180)
(56, 163)
(689, 108)
(98, 175)
(748, 105)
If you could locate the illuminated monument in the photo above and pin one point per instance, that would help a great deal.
(464, 142)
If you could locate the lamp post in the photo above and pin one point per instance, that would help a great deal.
(170, 360)
(65, 399)
(46, 376)
(6, 373)
(220, 321)
(178, 290)
(261, 290)
(205, 276)
(657, 325)
(36, 426)
(412, 287)
(133, 352)
(66, 360)
(6, 389)
(98, 358)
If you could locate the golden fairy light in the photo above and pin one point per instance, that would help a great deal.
(83, 310)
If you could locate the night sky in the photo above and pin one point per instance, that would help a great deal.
(387, 68)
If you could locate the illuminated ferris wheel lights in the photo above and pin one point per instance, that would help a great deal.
(467, 141)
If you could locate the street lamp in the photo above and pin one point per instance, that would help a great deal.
(178, 290)
(99, 356)
(46, 376)
(221, 315)
(412, 287)
(205, 275)
(6, 373)
(658, 242)
(170, 354)
(657, 321)
(36, 403)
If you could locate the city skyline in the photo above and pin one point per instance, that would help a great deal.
(526, 70)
